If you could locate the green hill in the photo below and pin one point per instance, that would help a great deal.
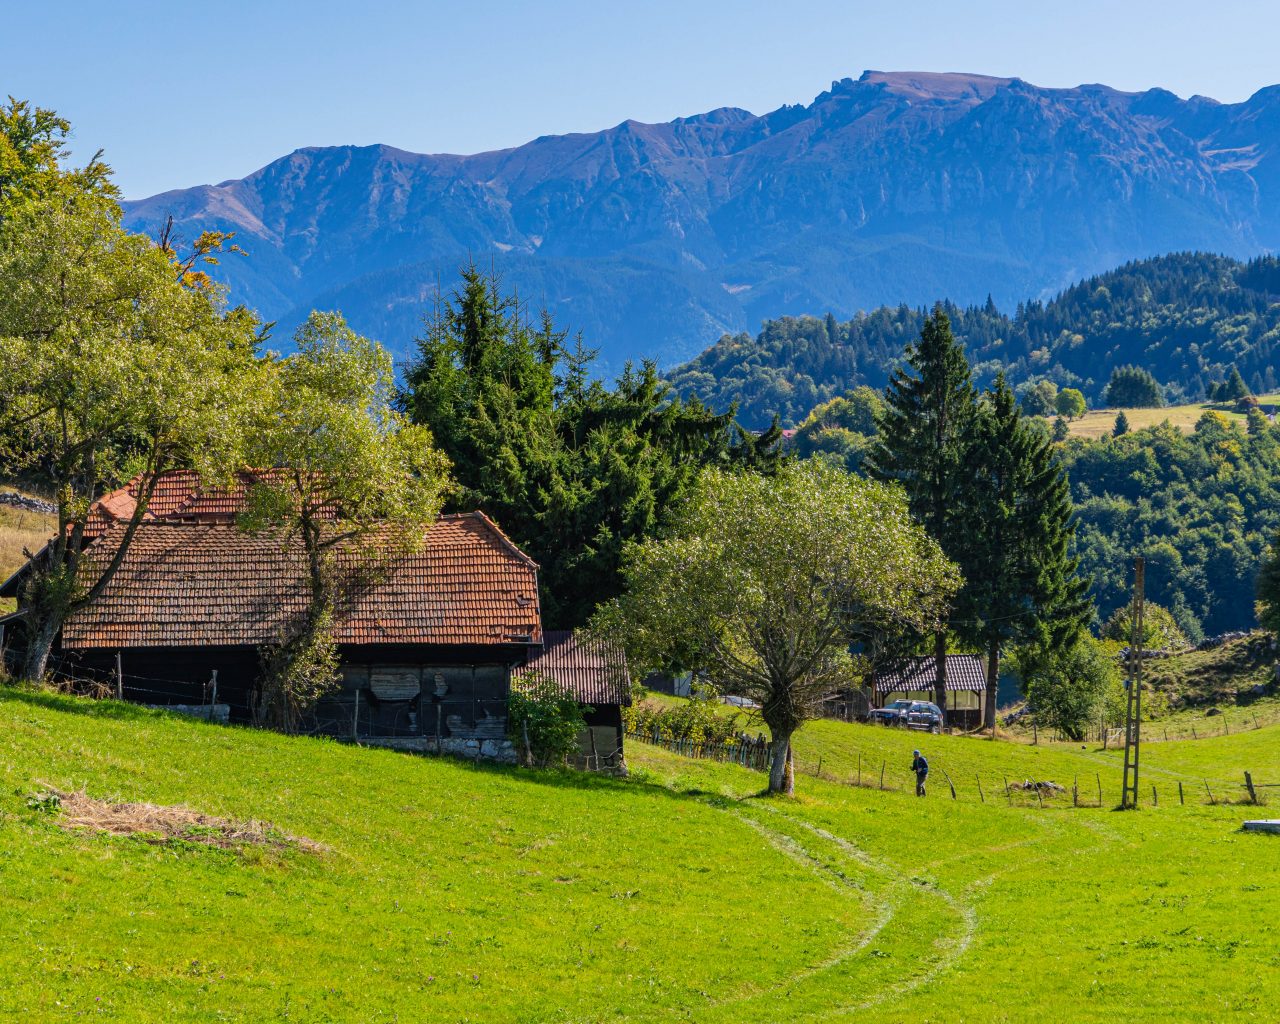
(1186, 317)
(450, 892)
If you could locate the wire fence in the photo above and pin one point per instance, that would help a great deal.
(877, 773)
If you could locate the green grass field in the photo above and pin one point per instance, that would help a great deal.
(1100, 422)
(459, 893)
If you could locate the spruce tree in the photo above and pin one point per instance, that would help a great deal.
(924, 431)
(1122, 425)
(1022, 584)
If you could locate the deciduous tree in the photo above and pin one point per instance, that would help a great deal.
(765, 582)
(348, 477)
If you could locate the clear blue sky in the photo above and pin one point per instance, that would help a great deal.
(182, 94)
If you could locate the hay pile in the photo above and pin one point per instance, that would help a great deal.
(156, 823)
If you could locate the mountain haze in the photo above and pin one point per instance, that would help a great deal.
(656, 239)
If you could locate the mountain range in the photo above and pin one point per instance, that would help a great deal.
(656, 239)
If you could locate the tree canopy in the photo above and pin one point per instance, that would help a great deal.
(118, 358)
(765, 582)
(569, 467)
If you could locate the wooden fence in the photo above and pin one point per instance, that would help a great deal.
(752, 754)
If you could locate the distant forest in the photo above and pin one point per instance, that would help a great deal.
(1187, 317)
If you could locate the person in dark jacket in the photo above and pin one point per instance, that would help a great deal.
(921, 767)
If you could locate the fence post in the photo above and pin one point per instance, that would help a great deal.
(950, 783)
(1039, 798)
(1006, 789)
(1180, 800)
(119, 677)
(1099, 789)
(882, 764)
(859, 767)
(980, 796)
(819, 767)
(1248, 782)
(1075, 792)
(355, 718)
(1155, 798)
(1193, 732)
(1209, 791)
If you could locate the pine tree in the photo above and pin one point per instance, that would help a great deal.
(1022, 584)
(1122, 425)
(930, 408)
(1233, 388)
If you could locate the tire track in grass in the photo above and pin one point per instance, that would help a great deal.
(857, 962)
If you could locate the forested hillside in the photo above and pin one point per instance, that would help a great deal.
(1187, 317)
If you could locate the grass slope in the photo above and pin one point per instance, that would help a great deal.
(459, 893)
(1101, 422)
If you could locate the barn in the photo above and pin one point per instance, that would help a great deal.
(427, 652)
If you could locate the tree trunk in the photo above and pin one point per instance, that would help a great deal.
(781, 779)
(940, 669)
(39, 647)
(993, 683)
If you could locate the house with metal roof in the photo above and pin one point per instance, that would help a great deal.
(914, 678)
(427, 651)
(594, 672)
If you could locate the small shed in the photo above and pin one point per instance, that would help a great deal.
(913, 679)
(594, 672)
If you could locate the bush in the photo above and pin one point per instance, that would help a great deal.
(1067, 689)
(697, 720)
(551, 718)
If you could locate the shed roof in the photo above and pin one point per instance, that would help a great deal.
(192, 584)
(964, 672)
(594, 671)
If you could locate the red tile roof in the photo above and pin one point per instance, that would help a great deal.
(594, 671)
(192, 584)
(178, 496)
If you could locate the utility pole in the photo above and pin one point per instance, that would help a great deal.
(1133, 703)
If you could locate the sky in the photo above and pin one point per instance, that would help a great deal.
(184, 94)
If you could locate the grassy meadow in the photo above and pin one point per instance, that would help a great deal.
(1100, 422)
(451, 892)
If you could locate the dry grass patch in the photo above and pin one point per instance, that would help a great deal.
(157, 823)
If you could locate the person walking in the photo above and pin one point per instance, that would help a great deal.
(921, 767)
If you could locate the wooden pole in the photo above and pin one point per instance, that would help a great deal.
(1180, 800)
(949, 783)
(1248, 782)
(1075, 792)
(1099, 789)
(1006, 789)
(355, 718)
(119, 677)
(859, 767)
(1209, 791)
(819, 766)
(882, 764)
(1155, 799)
(1039, 798)
(1193, 732)
(980, 796)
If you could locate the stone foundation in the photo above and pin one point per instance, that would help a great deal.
(502, 751)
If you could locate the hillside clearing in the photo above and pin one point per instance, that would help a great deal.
(457, 892)
(1101, 422)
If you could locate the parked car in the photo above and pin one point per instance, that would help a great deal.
(911, 714)
(892, 714)
(926, 716)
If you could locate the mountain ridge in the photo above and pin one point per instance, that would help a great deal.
(894, 187)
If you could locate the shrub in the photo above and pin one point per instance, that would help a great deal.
(697, 720)
(551, 718)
